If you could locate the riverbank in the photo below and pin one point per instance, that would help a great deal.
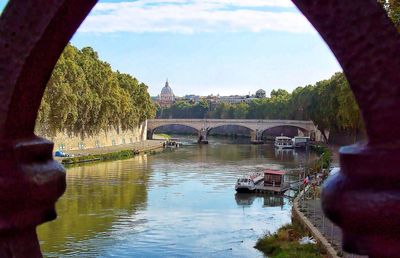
(122, 151)
(285, 243)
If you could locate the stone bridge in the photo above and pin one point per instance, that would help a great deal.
(256, 127)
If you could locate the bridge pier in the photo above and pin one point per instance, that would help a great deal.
(256, 137)
(150, 134)
(203, 136)
(301, 133)
(318, 137)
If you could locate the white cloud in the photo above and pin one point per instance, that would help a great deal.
(193, 16)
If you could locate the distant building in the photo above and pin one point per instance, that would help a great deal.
(166, 97)
(211, 98)
(235, 99)
(192, 98)
(261, 94)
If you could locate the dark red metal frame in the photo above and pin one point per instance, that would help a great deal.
(364, 199)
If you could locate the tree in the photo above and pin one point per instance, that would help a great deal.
(393, 9)
(84, 96)
(241, 110)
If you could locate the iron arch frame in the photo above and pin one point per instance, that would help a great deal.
(359, 33)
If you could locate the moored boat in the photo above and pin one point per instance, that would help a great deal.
(301, 141)
(274, 181)
(247, 184)
(283, 142)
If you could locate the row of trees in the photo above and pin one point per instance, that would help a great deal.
(84, 96)
(329, 103)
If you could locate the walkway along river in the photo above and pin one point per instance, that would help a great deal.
(178, 203)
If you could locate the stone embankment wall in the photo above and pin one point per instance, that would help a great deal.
(104, 139)
(298, 215)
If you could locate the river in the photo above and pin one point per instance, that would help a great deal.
(177, 203)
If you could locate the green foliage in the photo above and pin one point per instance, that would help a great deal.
(161, 135)
(84, 96)
(393, 9)
(124, 154)
(183, 109)
(284, 243)
(325, 158)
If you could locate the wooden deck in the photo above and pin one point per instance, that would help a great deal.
(261, 188)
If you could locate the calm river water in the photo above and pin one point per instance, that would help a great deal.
(178, 203)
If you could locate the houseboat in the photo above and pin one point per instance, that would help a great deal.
(301, 141)
(274, 181)
(247, 184)
(283, 142)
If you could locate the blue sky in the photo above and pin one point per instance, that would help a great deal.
(208, 46)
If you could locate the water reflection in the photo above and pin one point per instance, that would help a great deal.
(178, 203)
(247, 199)
(96, 196)
(274, 201)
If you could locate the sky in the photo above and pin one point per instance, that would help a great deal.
(207, 47)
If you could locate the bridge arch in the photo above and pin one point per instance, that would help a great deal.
(303, 129)
(251, 131)
(288, 130)
(230, 124)
(152, 130)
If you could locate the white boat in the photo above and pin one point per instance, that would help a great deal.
(247, 184)
(283, 142)
(301, 141)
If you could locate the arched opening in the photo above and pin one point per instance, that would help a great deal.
(237, 132)
(174, 129)
(268, 135)
(341, 23)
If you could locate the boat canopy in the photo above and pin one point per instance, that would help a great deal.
(283, 138)
(302, 137)
(274, 172)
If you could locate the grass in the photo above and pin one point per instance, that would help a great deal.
(285, 243)
(325, 155)
(162, 136)
(125, 154)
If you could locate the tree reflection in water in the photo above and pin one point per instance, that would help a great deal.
(96, 196)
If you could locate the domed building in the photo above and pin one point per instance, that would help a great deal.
(167, 97)
(260, 94)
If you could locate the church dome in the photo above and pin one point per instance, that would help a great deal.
(166, 97)
(261, 93)
(166, 90)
